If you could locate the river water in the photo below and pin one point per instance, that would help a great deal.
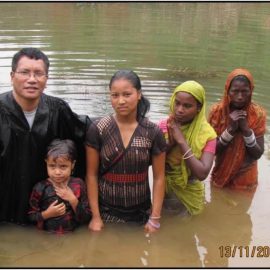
(166, 44)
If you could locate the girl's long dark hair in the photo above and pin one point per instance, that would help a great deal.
(143, 105)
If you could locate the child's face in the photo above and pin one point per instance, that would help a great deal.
(59, 169)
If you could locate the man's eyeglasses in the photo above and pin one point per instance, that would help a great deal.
(27, 74)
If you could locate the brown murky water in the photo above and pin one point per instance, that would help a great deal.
(166, 44)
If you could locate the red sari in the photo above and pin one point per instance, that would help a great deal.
(233, 167)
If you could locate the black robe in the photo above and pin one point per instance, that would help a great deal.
(22, 150)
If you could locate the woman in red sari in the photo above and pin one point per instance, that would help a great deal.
(240, 125)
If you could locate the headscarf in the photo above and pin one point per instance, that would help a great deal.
(229, 162)
(225, 103)
(196, 133)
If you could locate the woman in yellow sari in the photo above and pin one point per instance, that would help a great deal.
(191, 148)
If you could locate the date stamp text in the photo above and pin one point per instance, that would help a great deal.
(244, 251)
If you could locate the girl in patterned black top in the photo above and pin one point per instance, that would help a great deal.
(119, 150)
(59, 203)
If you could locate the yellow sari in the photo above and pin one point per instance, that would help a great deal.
(197, 134)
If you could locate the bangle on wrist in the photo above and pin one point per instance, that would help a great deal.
(155, 225)
(186, 153)
(222, 141)
(226, 136)
(191, 155)
(251, 144)
(153, 217)
(250, 139)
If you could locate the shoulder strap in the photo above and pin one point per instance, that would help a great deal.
(114, 162)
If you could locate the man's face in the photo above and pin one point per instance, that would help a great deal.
(29, 79)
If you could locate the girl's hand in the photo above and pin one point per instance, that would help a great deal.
(96, 224)
(170, 135)
(148, 228)
(65, 193)
(54, 210)
(175, 134)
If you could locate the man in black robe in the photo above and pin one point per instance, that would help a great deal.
(29, 121)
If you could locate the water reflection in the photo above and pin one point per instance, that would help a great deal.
(231, 227)
(166, 44)
(185, 242)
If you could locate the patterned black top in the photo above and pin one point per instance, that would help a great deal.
(124, 192)
(43, 195)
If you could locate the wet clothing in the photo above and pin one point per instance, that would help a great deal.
(22, 150)
(188, 189)
(190, 195)
(43, 195)
(234, 167)
(124, 193)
